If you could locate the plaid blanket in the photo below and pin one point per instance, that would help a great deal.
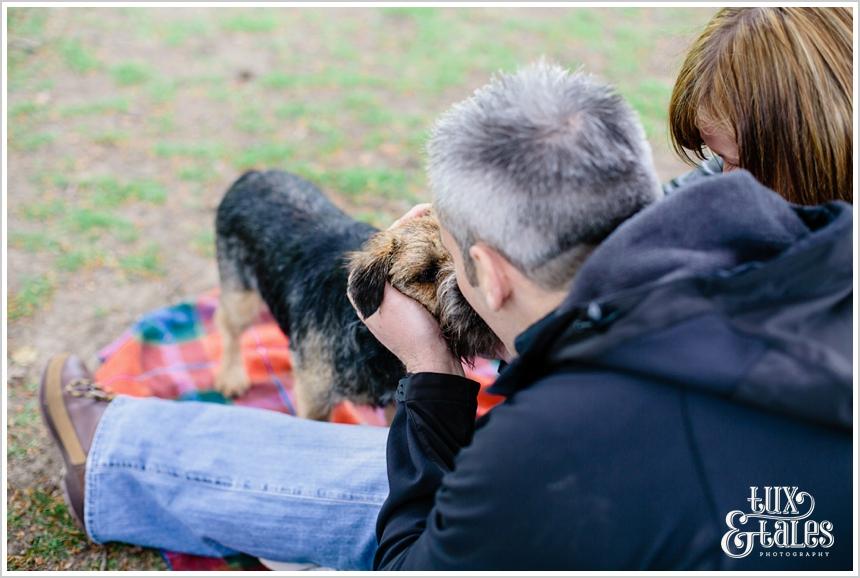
(173, 353)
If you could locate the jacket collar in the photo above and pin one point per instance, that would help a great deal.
(538, 340)
(700, 238)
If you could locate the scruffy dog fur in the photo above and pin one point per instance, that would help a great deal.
(412, 258)
(281, 242)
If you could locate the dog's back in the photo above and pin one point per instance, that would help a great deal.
(279, 237)
(272, 224)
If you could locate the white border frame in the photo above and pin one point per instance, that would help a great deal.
(664, 4)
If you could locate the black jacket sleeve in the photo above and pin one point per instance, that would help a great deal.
(435, 418)
(508, 502)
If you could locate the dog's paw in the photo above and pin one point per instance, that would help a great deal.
(232, 381)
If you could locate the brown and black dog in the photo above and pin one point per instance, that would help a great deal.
(282, 243)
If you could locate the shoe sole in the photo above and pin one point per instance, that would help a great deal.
(51, 380)
(55, 416)
(75, 518)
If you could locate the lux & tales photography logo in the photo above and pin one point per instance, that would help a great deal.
(779, 523)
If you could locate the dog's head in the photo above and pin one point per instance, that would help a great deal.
(412, 258)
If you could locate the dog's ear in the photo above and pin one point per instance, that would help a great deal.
(368, 272)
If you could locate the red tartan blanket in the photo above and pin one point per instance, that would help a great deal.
(173, 353)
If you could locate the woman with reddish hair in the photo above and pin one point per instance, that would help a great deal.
(769, 90)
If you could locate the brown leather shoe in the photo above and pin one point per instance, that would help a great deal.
(72, 405)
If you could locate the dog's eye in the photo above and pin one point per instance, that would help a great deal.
(427, 275)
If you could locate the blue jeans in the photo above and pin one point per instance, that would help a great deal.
(215, 480)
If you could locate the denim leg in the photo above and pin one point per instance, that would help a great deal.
(213, 480)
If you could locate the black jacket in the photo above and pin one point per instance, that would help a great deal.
(704, 349)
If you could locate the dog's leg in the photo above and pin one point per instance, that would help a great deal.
(313, 395)
(313, 377)
(237, 310)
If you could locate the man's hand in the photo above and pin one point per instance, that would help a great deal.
(408, 330)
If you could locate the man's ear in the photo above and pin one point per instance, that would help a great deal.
(491, 272)
(368, 273)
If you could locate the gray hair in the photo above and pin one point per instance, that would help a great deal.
(542, 165)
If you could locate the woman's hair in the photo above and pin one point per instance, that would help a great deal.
(779, 80)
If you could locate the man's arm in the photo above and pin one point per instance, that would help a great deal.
(435, 418)
(429, 522)
(424, 523)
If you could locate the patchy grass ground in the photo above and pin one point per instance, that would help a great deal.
(127, 124)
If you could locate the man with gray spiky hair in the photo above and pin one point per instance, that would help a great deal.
(542, 165)
(637, 331)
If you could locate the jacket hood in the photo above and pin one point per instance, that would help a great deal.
(722, 287)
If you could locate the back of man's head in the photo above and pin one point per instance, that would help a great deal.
(541, 165)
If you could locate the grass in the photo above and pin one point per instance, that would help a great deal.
(26, 28)
(178, 32)
(378, 219)
(78, 57)
(21, 441)
(111, 137)
(646, 98)
(252, 121)
(144, 263)
(77, 259)
(267, 155)
(105, 106)
(29, 298)
(204, 243)
(41, 517)
(293, 110)
(74, 241)
(42, 210)
(195, 174)
(278, 79)
(130, 73)
(83, 220)
(59, 537)
(109, 192)
(27, 22)
(367, 109)
(31, 142)
(163, 123)
(33, 242)
(24, 109)
(92, 225)
(329, 136)
(330, 77)
(219, 93)
(66, 258)
(162, 90)
(250, 22)
(367, 182)
(188, 150)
